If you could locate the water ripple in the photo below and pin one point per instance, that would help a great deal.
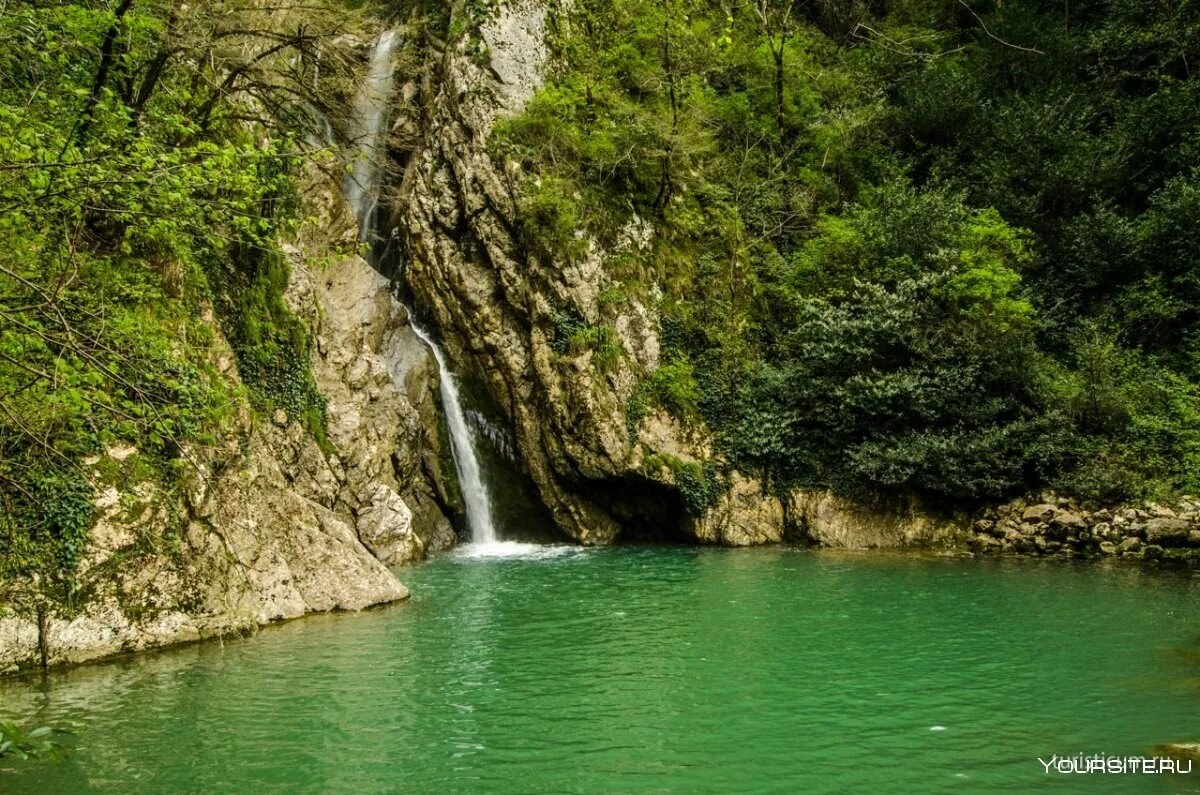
(521, 668)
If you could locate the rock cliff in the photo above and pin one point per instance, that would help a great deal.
(602, 471)
(276, 525)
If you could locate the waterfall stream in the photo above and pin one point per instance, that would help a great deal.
(470, 479)
(367, 129)
(368, 147)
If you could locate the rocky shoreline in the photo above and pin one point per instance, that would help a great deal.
(1056, 525)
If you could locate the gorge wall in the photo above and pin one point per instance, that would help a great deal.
(276, 525)
(602, 473)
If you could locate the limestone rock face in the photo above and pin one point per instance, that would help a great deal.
(273, 527)
(828, 520)
(497, 306)
(379, 380)
(744, 516)
(386, 528)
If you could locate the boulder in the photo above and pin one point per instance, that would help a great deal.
(833, 521)
(1038, 513)
(983, 543)
(1073, 523)
(1129, 545)
(1185, 751)
(1152, 552)
(744, 516)
(1167, 532)
(1108, 547)
(385, 527)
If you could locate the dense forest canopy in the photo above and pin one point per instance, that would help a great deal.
(919, 246)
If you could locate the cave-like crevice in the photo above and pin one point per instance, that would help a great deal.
(649, 512)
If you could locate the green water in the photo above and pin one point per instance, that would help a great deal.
(656, 670)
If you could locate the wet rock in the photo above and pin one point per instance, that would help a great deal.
(984, 544)
(1152, 552)
(1108, 548)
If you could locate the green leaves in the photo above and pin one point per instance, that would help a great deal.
(113, 247)
(38, 743)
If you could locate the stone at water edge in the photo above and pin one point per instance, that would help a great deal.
(1108, 547)
(1039, 513)
(385, 527)
(1188, 751)
(1131, 544)
(1167, 532)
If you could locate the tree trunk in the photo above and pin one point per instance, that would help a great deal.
(778, 53)
(107, 56)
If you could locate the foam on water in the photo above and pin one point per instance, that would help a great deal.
(514, 549)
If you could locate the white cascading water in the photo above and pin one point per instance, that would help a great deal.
(368, 131)
(470, 478)
(367, 128)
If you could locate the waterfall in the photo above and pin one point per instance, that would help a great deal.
(367, 128)
(368, 146)
(466, 463)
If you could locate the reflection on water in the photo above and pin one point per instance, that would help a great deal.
(519, 668)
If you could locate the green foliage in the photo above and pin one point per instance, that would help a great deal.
(1139, 422)
(573, 335)
(673, 387)
(887, 233)
(550, 219)
(700, 484)
(140, 189)
(38, 743)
